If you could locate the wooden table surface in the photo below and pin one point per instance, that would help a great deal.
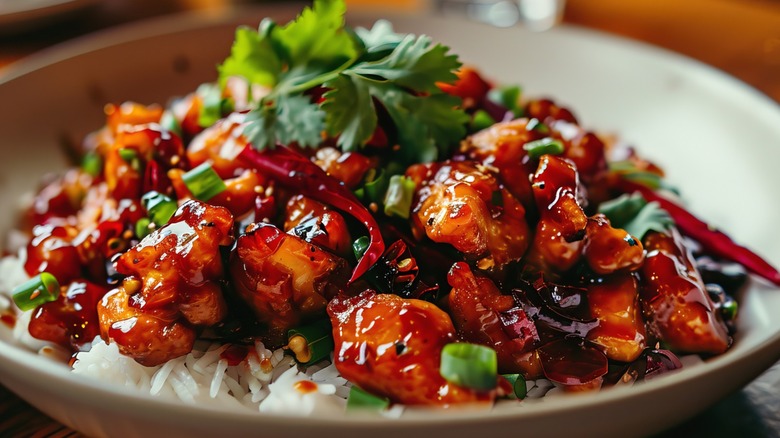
(740, 37)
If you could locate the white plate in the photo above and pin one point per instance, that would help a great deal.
(717, 138)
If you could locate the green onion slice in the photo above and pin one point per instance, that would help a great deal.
(536, 125)
(361, 400)
(42, 288)
(311, 343)
(519, 388)
(376, 188)
(142, 228)
(92, 163)
(481, 120)
(469, 365)
(168, 121)
(211, 107)
(509, 97)
(360, 246)
(159, 207)
(547, 145)
(203, 182)
(398, 199)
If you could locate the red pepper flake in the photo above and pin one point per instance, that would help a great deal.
(296, 171)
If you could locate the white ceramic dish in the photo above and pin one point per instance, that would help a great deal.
(718, 139)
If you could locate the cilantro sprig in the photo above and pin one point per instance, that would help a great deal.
(359, 70)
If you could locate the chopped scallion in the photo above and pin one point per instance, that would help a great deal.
(211, 104)
(398, 199)
(508, 97)
(128, 154)
(203, 182)
(42, 288)
(360, 246)
(481, 120)
(142, 228)
(376, 188)
(92, 163)
(168, 121)
(361, 400)
(544, 146)
(519, 387)
(469, 365)
(536, 125)
(159, 207)
(311, 343)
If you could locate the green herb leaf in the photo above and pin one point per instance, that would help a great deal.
(380, 37)
(635, 215)
(414, 64)
(316, 37)
(294, 119)
(350, 111)
(252, 57)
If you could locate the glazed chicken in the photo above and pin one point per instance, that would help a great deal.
(391, 346)
(172, 286)
(464, 205)
(502, 245)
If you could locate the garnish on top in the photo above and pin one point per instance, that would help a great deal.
(355, 70)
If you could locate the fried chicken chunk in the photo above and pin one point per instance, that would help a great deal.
(172, 286)
(283, 278)
(391, 347)
(462, 204)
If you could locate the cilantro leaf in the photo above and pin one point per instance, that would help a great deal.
(293, 119)
(350, 111)
(317, 37)
(635, 215)
(380, 37)
(425, 124)
(252, 57)
(414, 64)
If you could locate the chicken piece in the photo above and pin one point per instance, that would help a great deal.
(614, 301)
(550, 252)
(347, 167)
(462, 204)
(391, 347)
(548, 111)
(71, 321)
(559, 196)
(284, 279)
(220, 145)
(60, 198)
(675, 301)
(172, 284)
(484, 316)
(610, 249)
(139, 158)
(315, 223)
(239, 196)
(557, 244)
(151, 337)
(52, 250)
(501, 147)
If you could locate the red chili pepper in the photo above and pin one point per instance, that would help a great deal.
(712, 241)
(294, 170)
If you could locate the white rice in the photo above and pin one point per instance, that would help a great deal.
(202, 377)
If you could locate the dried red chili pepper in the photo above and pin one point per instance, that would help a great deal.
(294, 170)
(713, 241)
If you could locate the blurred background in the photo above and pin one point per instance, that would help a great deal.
(740, 37)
